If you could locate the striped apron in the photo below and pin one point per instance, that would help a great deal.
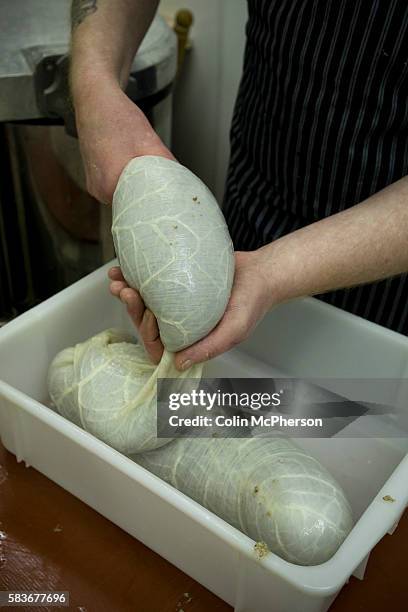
(320, 124)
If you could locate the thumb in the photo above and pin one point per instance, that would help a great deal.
(229, 332)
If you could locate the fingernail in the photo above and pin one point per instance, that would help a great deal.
(184, 365)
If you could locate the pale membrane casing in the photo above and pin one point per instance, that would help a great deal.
(267, 487)
(107, 386)
(173, 246)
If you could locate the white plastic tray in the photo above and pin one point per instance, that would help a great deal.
(304, 338)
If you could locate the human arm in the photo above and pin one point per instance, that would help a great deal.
(362, 244)
(365, 243)
(111, 128)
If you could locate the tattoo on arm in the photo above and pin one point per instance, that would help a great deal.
(80, 10)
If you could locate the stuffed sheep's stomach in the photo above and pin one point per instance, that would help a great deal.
(174, 247)
(107, 386)
(268, 488)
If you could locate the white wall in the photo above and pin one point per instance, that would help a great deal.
(205, 93)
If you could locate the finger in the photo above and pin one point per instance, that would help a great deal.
(134, 304)
(115, 287)
(149, 332)
(229, 332)
(115, 274)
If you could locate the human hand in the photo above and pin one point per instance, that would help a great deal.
(251, 298)
(112, 130)
(143, 319)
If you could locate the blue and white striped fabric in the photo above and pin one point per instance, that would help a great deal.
(320, 124)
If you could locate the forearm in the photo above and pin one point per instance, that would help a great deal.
(105, 37)
(362, 244)
(111, 128)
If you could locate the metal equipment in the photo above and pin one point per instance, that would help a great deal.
(51, 231)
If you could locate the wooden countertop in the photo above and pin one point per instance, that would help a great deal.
(49, 540)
